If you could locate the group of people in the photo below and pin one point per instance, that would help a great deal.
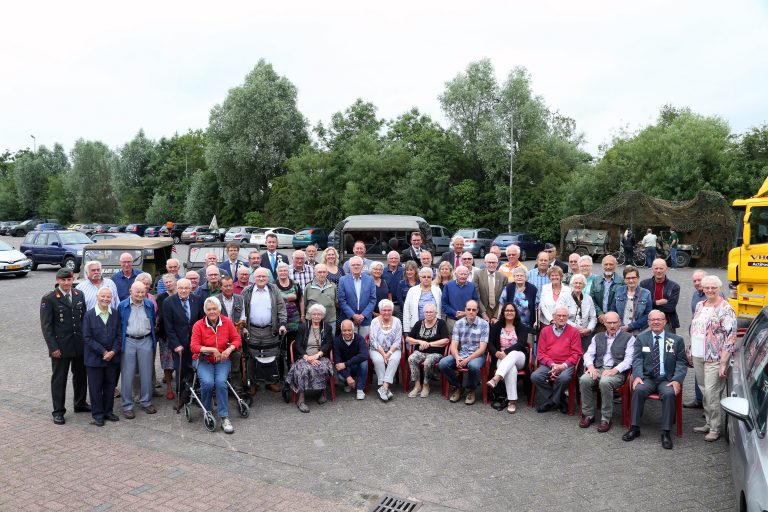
(549, 323)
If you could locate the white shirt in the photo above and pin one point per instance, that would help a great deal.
(649, 240)
(261, 307)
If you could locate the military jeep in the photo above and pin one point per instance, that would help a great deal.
(592, 242)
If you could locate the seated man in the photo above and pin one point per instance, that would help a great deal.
(558, 354)
(653, 373)
(350, 354)
(468, 343)
(608, 358)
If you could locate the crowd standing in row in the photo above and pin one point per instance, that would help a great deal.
(554, 322)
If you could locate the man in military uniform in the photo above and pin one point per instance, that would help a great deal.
(61, 319)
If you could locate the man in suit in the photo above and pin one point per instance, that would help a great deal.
(138, 338)
(180, 312)
(659, 366)
(551, 251)
(233, 263)
(454, 256)
(357, 296)
(270, 258)
(413, 253)
(61, 320)
(489, 284)
(604, 290)
(232, 307)
(665, 293)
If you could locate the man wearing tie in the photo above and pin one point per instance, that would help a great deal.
(357, 297)
(659, 366)
(413, 253)
(489, 284)
(230, 266)
(270, 258)
(454, 257)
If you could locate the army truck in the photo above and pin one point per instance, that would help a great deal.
(591, 242)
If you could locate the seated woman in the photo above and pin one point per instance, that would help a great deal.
(508, 344)
(312, 369)
(384, 341)
(214, 338)
(418, 297)
(581, 309)
(428, 339)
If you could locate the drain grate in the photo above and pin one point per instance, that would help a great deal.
(395, 504)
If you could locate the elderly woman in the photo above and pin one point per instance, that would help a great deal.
(409, 280)
(581, 309)
(585, 269)
(713, 334)
(428, 338)
(444, 274)
(508, 344)
(522, 294)
(166, 354)
(331, 261)
(552, 294)
(632, 303)
(292, 296)
(313, 346)
(418, 297)
(382, 290)
(384, 342)
(147, 280)
(214, 338)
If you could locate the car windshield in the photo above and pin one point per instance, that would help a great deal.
(5, 247)
(465, 233)
(74, 238)
(111, 257)
(259, 231)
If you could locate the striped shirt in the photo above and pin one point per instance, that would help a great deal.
(90, 293)
(301, 277)
(537, 280)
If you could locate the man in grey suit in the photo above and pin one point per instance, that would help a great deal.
(659, 366)
(489, 298)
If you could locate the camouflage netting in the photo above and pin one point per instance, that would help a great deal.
(706, 220)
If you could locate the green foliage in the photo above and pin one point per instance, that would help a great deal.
(133, 179)
(89, 183)
(255, 219)
(203, 197)
(175, 161)
(9, 205)
(57, 203)
(160, 210)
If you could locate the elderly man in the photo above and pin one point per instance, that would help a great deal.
(585, 269)
(393, 274)
(322, 291)
(696, 297)
(61, 320)
(649, 246)
(180, 312)
(659, 366)
(607, 361)
(311, 251)
(513, 261)
(254, 262)
(243, 278)
(468, 261)
(456, 294)
(230, 266)
(172, 267)
(454, 257)
(350, 354)
(413, 253)
(665, 293)
(489, 284)
(212, 283)
(604, 290)
(359, 250)
(267, 319)
(559, 351)
(357, 296)
(425, 261)
(573, 267)
(95, 282)
(539, 276)
(137, 315)
(211, 260)
(551, 251)
(270, 258)
(468, 343)
(300, 272)
(125, 278)
(194, 280)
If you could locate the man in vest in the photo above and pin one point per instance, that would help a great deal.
(607, 361)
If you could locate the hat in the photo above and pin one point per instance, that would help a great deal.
(549, 246)
(64, 273)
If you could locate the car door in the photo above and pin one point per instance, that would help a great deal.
(54, 248)
(284, 237)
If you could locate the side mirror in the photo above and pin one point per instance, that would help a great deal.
(56, 244)
(739, 409)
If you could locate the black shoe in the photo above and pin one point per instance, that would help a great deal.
(693, 404)
(631, 434)
(58, 419)
(563, 406)
(83, 408)
(111, 417)
(322, 398)
(98, 423)
(545, 407)
(666, 440)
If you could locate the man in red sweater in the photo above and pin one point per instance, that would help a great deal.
(558, 354)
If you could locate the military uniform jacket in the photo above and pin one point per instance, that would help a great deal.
(62, 323)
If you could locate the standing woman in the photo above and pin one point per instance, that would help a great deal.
(382, 290)
(628, 244)
(522, 294)
(444, 274)
(631, 302)
(410, 279)
(418, 297)
(552, 294)
(581, 310)
(385, 338)
(713, 335)
(508, 344)
(331, 260)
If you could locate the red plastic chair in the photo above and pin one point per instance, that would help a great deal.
(678, 409)
(626, 400)
(406, 369)
(332, 384)
(571, 392)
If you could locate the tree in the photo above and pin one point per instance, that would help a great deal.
(251, 135)
(202, 198)
(133, 179)
(89, 182)
(175, 161)
(58, 203)
(161, 209)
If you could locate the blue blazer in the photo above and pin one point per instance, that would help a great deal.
(100, 338)
(224, 268)
(178, 331)
(643, 306)
(125, 311)
(266, 263)
(348, 298)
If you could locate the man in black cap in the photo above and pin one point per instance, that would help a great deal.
(61, 319)
(551, 250)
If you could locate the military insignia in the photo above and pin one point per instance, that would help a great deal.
(58, 296)
(42, 304)
(765, 387)
(670, 345)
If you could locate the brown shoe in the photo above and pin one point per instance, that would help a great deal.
(456, 395)
(470, 397)
(150, 409)
(604, 426)
(129, 415)
(275, 388)
(586, 421)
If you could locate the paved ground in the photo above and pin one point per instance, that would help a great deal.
(342, 456)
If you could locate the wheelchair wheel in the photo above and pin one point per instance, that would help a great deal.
(244, 409)
(248, 399)
(210, 421)
(187, 413)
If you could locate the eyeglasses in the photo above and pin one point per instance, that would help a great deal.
(470, 309)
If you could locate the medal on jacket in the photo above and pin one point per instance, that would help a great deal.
(670, 345)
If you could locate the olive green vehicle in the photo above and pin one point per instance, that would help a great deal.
(149, 255)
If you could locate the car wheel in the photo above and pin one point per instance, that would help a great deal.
(18, 232)
(176, 240)
(683, 259)
(34, 263)
(23, 274)
(70, 263)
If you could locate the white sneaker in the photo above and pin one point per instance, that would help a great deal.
(360, 394)
(347, 388)
(383, 394)
(226, 426)
(389, 393)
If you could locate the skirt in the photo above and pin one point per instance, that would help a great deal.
(166, 354)
(303, 376)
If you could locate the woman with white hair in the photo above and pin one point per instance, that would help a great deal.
(312, 369)
(713, 335)
(384, 342)
(382, 289)
(214, 338)
(581, 309)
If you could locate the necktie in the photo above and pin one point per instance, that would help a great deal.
(655, 359)
(458, 262)
(185, 303)
(272, 261)
(69, 299)
(491, 291)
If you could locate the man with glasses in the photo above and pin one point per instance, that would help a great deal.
(172, 266)
(180, 312)
(489, 284)
(468, 344)
(456, 295)
(125, 278)
(95, 282)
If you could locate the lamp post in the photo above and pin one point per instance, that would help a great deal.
(34, 144)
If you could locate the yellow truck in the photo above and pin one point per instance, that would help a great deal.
(748, 261)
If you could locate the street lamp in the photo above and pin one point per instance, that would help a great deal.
(34, 144)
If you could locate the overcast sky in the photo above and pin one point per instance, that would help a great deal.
(103, 70)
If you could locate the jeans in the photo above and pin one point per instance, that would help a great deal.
(447, 366)
(650, 255)
(359, 372)
(672, 257)
(214, 375)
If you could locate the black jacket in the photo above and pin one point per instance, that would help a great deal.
(494, 341)
(62, 323)
(302, 339)
(178, 331)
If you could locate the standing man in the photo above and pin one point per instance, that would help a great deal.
(698, 296)
(243, 276)
(212, 283)
(357, 296)
(659, 366)
(513, 261)
(311, 251)
(270, 258)
(489, 284)
(359, 250)
(61, 320)
(674, 241)
(551, 251)
(300, 272)
(604, 290)
(454, 257)
(665, 293)
(172, 266)
(125, 278)
(95, 282)
(138, 339)
(180, 312)
(649, 246)
(194, 280)
(254, 262)
(468, 261)
(230, 266)
(413, 253)
(393, 274)
(426, 262)
(211, 260)
(628, 244)
(468, 344)
(539, 276)
(573, 267)
(456, 294)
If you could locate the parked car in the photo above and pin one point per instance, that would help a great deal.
(152, 231)
(240, 234)
(189, 235)
(25, 227)
(110, 236)
(117, 228)
(478, 241)
(746, 405)
(307, 236)
(176, 231)
(529, 246)
(50, 225)
(441, 238)
(214, 235)
(63, 248)
(7, 226)
(284, 236)
(74, 227)
(88, 229)
(13, 262)
(102, 228)
(136, 229)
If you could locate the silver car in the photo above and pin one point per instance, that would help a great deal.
(746, 404)
(478, 241)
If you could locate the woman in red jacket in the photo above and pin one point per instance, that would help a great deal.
(214, 338)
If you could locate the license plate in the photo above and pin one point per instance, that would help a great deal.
(13, 267)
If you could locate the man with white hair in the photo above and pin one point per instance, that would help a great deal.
(172, 266)
(357, 296)
(300, 272)
(456, 293)
(137, 314)
(454, 257)
(95, 282)
(211, 259)
(513, 261)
